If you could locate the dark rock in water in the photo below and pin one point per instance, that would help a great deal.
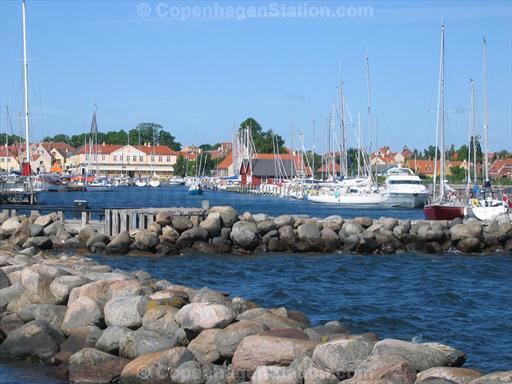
(36, 338)
(308, 231)
(72, 243)
(223, 245)
(350, 243)
(266, 226)
(90, 365)
(168, 249)
(462, 231)
(468, 245)
(120, 244)
(98, 247)
(170, 234)
(181, 223)
(302, 247)
(287, 234)
(97, 238)
(508, 245)
(367, 245)
(188, 237)
(205, 247)
(432, 247)
(41, 242)
(212, 225)
(276, 245)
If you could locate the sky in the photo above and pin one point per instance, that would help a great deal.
(199, 68)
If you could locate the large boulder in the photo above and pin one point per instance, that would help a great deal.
(82, 337)
(120, 244)
(125, 311)
(212, 225)
(11, 225)
(227, 340)
(36, 282)
(281, 221)
(36, 338)
(448, 375)
(53, 228)
(61, 286)
(83, 311)
(462, 231)
(170, 234)
(469, 245)
(341, 357)
(146, 240)
(97, 290)
(181, 223)
(90, 365)
(203, 346)
(128, 287)
(200, 316)
(143, 341)
(97, 237)
(111, 338)
(155, 368)
(395, 368)
(188, 237)
(257, 350)
(421, 356)
(228, 214)
(504, 377)
(245, 234)
(189, 372)
(45, 220)
(308, 231)
(160, 319)
(53, 314)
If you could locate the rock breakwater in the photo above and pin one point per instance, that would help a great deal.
(224, 230)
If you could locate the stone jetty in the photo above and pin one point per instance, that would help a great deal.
(224, 230)
(96, 324)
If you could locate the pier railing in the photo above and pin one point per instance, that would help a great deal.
(110, 221)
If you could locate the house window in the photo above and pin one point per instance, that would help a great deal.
(160, 159)
(115, 158)
(168, 159)
(121, 158)
(86, 157)
(3, 160)
(141, 159)
(134, 158)
(103, 157)
(153, 158)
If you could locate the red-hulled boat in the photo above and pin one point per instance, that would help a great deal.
(443, 211)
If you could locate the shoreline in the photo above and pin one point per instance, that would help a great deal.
(94, 323)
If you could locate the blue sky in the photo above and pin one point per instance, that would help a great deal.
(198, 76)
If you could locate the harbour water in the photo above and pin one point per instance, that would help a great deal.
(178, 196)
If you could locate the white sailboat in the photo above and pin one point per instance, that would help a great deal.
(154, 181)
(487, 204)
(99, 183)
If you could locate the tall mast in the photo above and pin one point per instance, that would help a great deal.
(369, 112)
(440, 123)
(343, 134)
(25, 80)
(473, 131)
(486, 120)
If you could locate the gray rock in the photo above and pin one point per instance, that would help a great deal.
(111, 338)
(447, 375)
(287, 234)
(314, 375)
(283, 220)
(245, 235)
(53, 228)
(352, 228)
(90, 365)
(10, 294)
(53, 314)
(189, 372)
(97, 237)
(495, 378)
(212, 225)
(200, 316)
(85, 233)
(41, 242)
(204, 348)
(4, 280)
(207, 295)
(181, 223)
(120, 244)
(341, 357)
(62, 286)
(146, 239)
(170, 233)
(155, 368)
(82, 311)
(227, 340)
(36, 338)
(10, 322)
(308, 231)
(143, 341)
(276, 245)
(276, 375)
(188, 237)
(11, 225)
(72, 243)
(468, 245)
(228, 214)
(35, 230)
(392, 367)
(161, 320)
(462, 231)
(125, 311)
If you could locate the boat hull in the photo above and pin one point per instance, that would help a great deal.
(443, 212)
(405, 200)
(98, 188)
(487, 213)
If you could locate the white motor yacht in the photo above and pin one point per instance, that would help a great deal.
(404, 189)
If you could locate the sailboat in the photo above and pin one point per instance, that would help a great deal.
(486, 205)
(98, 183)
(446, 205)
(154, 181)
(140, 182)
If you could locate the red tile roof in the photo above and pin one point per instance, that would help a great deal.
(227, 162)
(100, 149)
(159, 150)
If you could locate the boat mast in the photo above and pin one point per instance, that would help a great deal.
(473, 133)
(440, 123)
(369, 112)
(486, 120)
(25, 81)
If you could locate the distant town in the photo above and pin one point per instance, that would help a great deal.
(149, 149)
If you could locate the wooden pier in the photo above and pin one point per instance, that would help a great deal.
(110, 221)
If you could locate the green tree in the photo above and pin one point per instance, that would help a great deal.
(180, 168)
(263, 140)
(458, 174)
